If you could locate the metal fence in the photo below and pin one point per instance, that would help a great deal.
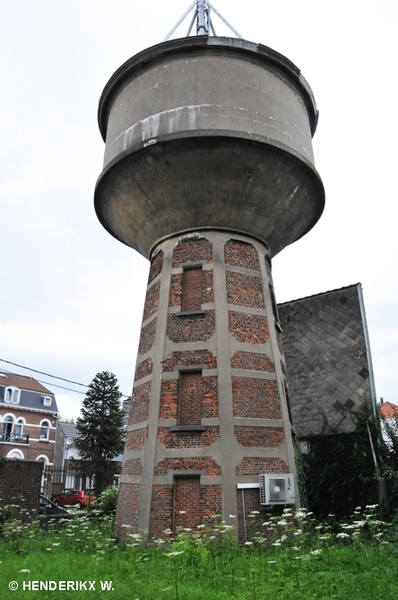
(57, 479)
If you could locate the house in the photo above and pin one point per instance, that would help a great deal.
(389, 420)
(28, 419)
(65, 445)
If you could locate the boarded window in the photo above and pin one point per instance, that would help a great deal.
(190, 398)
(192, 289)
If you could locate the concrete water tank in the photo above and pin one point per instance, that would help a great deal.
(208, 132)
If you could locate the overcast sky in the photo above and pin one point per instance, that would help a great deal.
(71, 295)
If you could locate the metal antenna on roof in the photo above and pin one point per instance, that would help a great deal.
(204, 24)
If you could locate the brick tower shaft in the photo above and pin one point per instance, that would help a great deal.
(209, 408)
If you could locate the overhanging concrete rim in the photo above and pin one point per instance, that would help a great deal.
(200, 44)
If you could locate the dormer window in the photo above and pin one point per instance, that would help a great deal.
(12, 395)
(47, 400)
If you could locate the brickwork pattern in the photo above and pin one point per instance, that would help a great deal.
(187, 503)
(248, 329)
(192, 289)
(251, 503)
(241, 254)
(151, 301)
(188, 439)
(147, 337)
(191, 392)
(20, 484)
(252, 361)
(156, 266)
(201, 463)
(144, 369)
(255, 466)
(133, 466)
(191, 250)
(189, 358)
(169, 400)
(196, 328)
(259, 437)
(135, 440)
(195, 504)
(176, 289)
(255, 398)
(127, 510)
(161, 511)
(139, 408)
(244, 290)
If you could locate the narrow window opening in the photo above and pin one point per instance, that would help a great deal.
(187, 503)
(190, 398)
(192, 288)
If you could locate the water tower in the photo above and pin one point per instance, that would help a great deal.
(208, 173)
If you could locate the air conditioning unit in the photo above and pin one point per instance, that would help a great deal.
(277, 489)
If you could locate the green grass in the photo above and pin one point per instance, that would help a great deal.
(299, 560)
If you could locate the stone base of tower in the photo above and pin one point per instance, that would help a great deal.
(209, 412)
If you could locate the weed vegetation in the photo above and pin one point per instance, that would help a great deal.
(286, 557)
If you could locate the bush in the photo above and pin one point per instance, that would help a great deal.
(108, 500)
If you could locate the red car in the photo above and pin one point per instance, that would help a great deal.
(77, 498)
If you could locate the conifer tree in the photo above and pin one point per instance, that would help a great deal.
(100, 429)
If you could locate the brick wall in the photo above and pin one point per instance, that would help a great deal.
(249, 504)
(192, 289)
(248, 329)
(195, 328)
(255, 466)
(252, 361)
(259, 437)
(191, 391)
(201, 463)
(133, 466)
(127, 510)
(156, 266)
(190, 250)
(147, 337)
(136, 439)
(151, 301)
(20, 484)
(161, 511)
(244, 290)
(189, 358)
(143, 369)
(186, 439)
(139, 409)
(187, 503)
(255, 398)
(241, 254)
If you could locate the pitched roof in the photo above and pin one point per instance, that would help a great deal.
(388, 410)
(32, 393)
(69, 430)
(22, 382)
(327, 361)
